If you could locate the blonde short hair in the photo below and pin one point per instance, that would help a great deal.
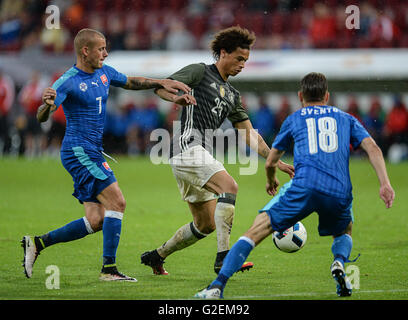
(86, 38)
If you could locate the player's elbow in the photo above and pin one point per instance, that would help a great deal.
(376, 149)
(375, 152)
(371, 147)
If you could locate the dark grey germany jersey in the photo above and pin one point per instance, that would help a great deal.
(216, 100)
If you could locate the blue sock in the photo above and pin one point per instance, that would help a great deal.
(341, 248)
(112, 226)
(234, 260)
(74, 230)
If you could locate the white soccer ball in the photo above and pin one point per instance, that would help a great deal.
(292, 239)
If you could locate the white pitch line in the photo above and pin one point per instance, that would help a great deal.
(305, 294)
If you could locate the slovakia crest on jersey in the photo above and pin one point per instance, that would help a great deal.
(104, 79)
(106, 166)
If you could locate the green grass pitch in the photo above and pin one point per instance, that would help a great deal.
(35, 197)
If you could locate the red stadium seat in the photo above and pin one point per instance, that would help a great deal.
(295, 22)
(257, 22)
(400, 14)
(241, 18)
(99, 6)
(308, 3)
(177, 5)
(403, 42)
(155, 5)
(275, 23)
(197, 25)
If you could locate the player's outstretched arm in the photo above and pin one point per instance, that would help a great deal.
(271, 164)
(141, 83)
(255, 141)
(183, 100)
(376, 158)
(44, 111)
(252, 138)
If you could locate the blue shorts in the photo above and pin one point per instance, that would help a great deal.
(89, 170)
(294, 203)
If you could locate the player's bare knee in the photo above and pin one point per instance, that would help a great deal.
(118, 204)
(230, 187)
(260, 229)
(121, 204)
(205, 227)
(234, 187)
(96, 222)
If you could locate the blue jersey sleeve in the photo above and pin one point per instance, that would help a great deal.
(117, 79)
(62, 86)
(284, 137)
(358, 132)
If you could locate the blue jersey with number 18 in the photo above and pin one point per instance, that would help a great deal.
(83, 96)
(322, 137)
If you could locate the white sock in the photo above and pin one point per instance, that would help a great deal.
(223, 217)
(184, 237)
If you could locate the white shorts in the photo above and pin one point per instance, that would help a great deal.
(192, 169)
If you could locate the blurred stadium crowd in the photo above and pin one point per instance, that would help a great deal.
(132, 117)
(188, 25)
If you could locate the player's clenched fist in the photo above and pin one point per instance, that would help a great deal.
(49, 96)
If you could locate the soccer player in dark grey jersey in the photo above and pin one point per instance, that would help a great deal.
(217, 100)
(203, 181)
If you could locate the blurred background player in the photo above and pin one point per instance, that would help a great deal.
(7, 95)
(202, 180)
(29, 99)
(83, 92)
(280, 25)
(322, 135)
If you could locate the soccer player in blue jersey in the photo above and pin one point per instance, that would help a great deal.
(322, 137)
(83, 92)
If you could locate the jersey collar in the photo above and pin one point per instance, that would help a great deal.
(214, 68)
(83, 72)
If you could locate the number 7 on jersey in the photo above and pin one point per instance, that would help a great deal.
(99, 99)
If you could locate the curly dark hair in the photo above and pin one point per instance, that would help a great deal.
(230, 39)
